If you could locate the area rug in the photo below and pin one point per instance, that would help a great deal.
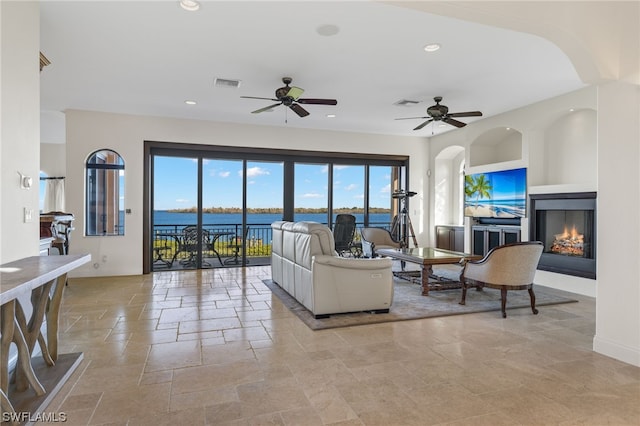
(409, 304)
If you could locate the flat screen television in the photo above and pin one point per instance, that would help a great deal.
(501, 194)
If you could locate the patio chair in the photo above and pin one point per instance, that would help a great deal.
(343, 232)
(506, 267)
(189, 243)
(236, 245)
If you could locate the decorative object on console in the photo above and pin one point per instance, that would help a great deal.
(500, 194)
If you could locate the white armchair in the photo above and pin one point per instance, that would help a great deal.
(507, 267)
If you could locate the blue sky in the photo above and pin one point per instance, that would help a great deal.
(176, 184)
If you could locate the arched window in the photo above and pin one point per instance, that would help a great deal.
(105, 194)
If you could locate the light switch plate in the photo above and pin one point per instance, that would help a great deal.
(28, 215)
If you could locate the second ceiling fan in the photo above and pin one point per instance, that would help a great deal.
(439, 112)
(289, 96)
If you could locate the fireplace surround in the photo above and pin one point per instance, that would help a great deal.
(566, 224)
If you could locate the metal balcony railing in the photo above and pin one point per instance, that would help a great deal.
(221, 242)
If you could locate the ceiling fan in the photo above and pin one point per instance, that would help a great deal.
(290, 96)
(439, 112)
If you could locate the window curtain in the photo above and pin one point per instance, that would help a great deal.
(54, 195)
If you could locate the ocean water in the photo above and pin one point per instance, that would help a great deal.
(163, 217)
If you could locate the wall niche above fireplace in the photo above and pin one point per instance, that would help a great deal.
(566, 224)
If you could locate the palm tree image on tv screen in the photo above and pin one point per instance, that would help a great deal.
(500, 194)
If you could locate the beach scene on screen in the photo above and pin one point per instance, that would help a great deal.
(500, 194)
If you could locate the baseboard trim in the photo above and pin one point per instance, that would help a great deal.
(612, 349)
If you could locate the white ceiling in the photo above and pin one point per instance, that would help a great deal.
(148, 57)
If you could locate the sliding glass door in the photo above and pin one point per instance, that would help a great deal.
(175, 214)
(265, 205)
(222, 210)
(311, 198)
(211, 207)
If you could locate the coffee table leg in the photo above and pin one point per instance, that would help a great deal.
(426, 271)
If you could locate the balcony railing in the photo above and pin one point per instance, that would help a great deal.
(219, 245)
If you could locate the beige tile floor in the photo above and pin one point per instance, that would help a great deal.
(215, 348)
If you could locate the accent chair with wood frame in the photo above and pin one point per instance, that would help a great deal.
(506, 267)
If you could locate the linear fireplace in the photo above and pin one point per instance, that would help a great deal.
(566, 225)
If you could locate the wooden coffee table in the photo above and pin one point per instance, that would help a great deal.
(426, 257)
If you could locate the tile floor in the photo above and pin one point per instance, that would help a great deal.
(215, 348)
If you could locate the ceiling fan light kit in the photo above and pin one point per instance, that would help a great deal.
(440, 112)
(289, 96)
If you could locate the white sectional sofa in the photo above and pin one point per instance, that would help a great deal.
(305, 264)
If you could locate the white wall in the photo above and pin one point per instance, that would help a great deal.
(618, 269)
(20, 134)
(447, 186)
(125, 134)
(53, 160)
(570, 149)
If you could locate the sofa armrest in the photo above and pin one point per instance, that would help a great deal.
(350, 263)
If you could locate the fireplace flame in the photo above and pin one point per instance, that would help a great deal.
(570, 242)
(572, 234)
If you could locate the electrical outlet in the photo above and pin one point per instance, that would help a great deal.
(28, 215)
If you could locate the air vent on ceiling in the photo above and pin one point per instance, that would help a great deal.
(225, 82)
(405, 102)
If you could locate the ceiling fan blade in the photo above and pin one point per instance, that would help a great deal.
(454, 122)
(299, 110)
(411, 118)
(266, 108)
(424, 124)
(318, 101)
(255, 97)
(295, 92)
(466, 114)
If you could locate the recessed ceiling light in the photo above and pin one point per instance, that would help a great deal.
(432, 47)
(328, 30)
(331, 116)
(508, 128)
(571, 110)
(190, 5)
(190, 102)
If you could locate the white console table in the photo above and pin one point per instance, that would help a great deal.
(40, 279)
